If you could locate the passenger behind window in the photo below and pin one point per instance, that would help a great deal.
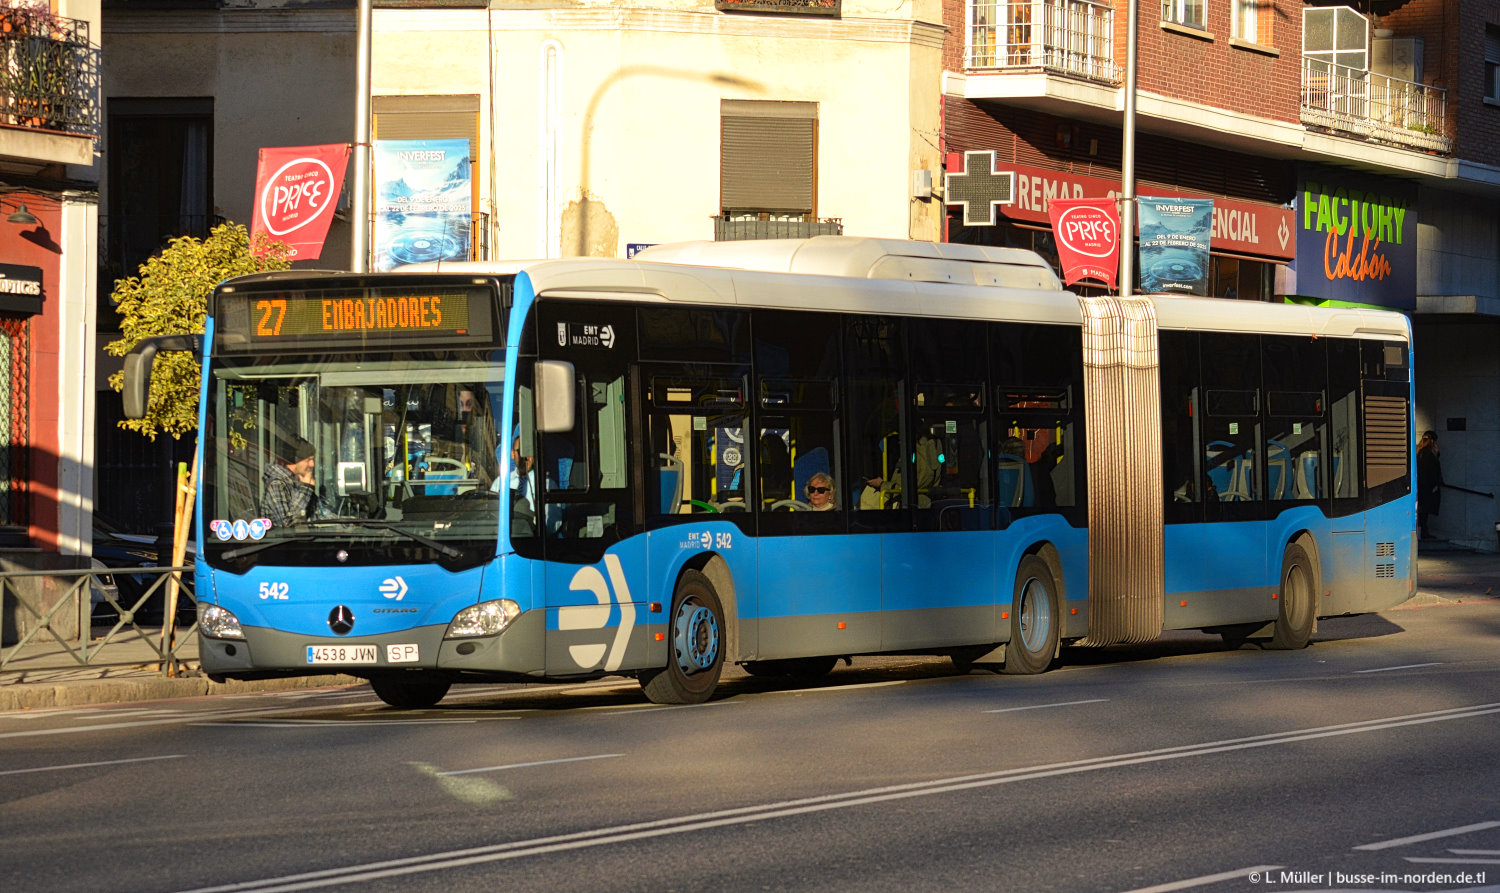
(820, 493)
(880, 493)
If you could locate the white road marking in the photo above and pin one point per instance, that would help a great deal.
(174, 756)
(1045, 706)
(601, 756)
(335, 723)
(1435, 663)
(1190, 883)
(823, 688)
(1431, 835)
(414, 865)
(1475, 852)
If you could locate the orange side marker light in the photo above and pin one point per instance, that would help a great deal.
(842, 624)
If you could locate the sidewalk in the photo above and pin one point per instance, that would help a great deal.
(1446, 574)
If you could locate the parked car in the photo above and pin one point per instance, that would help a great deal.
(117, 549)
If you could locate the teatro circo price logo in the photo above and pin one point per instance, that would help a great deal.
(1088, 238)
(296, 192)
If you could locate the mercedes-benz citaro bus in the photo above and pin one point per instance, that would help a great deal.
(775, 454)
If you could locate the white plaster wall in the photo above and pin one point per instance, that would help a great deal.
(278, 78)
(1457, 365)
(636, 111)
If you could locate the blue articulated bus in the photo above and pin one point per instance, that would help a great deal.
(776, 454)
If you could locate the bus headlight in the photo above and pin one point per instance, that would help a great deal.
(483, 619)
(217, 623)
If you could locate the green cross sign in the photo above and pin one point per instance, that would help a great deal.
(979, 188)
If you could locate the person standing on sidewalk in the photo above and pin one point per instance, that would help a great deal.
(1429, 480)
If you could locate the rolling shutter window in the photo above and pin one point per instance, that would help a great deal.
(768, 156)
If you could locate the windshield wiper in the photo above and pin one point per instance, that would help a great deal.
(439, 547)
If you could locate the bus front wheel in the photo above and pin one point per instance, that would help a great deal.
(1033, 620)
(1297, 612)
(411, 692)
(696, 645)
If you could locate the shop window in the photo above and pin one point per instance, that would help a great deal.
(1234, 277)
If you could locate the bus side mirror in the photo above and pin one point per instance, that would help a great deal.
(137, 390)
(554, 396)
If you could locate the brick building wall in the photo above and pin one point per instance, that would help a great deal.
(1210, 68)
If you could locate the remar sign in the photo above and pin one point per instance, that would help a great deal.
(1238, 226)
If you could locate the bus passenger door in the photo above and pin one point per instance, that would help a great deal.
(596, 596)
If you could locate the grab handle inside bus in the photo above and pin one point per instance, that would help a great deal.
(554, 396)
(137, 387)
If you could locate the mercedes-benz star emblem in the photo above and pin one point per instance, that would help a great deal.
(341, 620)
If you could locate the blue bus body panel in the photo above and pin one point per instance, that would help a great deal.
(383, 599)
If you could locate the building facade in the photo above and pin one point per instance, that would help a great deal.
(1349, 150)
(49, 125)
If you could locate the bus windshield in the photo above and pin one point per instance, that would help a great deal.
(377, 459)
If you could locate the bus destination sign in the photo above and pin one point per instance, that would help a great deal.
(385, 316)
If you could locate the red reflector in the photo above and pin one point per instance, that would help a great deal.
(1075, 611)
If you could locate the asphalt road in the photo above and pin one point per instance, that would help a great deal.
(1366, 762)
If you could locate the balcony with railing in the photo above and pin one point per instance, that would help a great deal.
(1373, 106)
(49, 73)
(1067, 37)
(729, 228)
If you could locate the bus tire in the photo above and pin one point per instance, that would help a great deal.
(1297, 610)
(696, 650)
(1033, 620)
(794, 667)
(409, 693)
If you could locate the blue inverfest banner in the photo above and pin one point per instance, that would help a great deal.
(423, 202)
(1174, 236)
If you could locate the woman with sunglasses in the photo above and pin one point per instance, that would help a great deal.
(820, 492)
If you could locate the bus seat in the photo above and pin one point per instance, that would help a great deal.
(671, 483)
(1305, 480)
(808, 464)
(1278, 468)
(1014, 481)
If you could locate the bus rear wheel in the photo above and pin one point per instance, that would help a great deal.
(1297, 612)
(697, 645)
(1033, 620)
(412, 692)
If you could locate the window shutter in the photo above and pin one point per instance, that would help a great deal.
(768, 156)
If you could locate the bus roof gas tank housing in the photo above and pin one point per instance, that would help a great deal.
(862, 258)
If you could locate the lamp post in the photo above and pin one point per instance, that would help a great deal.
(1127, 159)
(359, 243)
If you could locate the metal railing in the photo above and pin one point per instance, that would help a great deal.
(1374, 106)
(64, 631)
(1074, 37)
(732, 228)
(49, 73)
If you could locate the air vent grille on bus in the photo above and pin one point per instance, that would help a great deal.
(1385, 439)
(1385, 572)
(1385, 550)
